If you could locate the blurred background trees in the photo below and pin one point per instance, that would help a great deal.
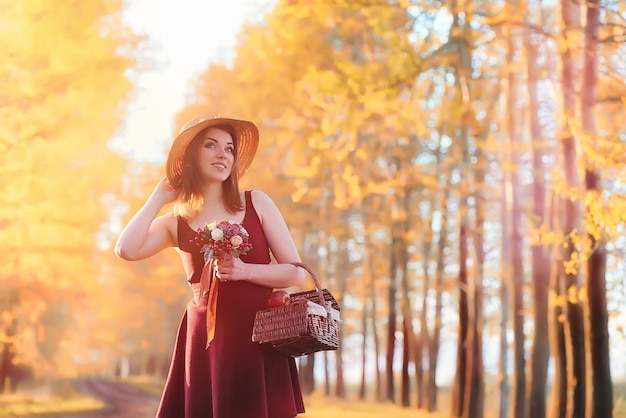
(453, 171)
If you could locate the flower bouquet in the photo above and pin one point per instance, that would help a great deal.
(222, 237)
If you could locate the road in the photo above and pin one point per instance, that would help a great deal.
(122, 400)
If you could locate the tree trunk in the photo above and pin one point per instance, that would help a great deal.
(340, 389)
(517, 242)
(468, 393)
(570, 10)
(433, 351)
(377, 348)
(423, 342)
(505, 301)
(363, 384)
(370, 309)
(341, 277)
(427, 385)
(556, 322)
(391, 320)
(8, 333)
(405, 396)
(540, 351)
(412, 343)
(475, 383)
(6, 364)
(602, 386)
(306, 364)
(326, 375)
(408, 341)
(307, 379)
(506, 290)
(458, 393)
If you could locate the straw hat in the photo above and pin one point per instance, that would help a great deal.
(246, 138)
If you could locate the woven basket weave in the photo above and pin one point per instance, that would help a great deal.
(302, 327)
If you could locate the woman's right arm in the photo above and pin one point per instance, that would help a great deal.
(146, 233)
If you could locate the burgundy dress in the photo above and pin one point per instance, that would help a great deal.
(234, 377)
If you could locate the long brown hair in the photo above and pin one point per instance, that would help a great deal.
(190, 200)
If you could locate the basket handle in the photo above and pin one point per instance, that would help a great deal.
(318, 286)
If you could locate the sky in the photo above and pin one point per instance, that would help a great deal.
(186, 35)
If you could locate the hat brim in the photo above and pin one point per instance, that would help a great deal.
(246, 138)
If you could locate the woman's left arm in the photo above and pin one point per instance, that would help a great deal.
(281, 244)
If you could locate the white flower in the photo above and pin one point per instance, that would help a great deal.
(212, 226)
(236, 241)
(217, 234)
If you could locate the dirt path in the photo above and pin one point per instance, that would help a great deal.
(122, 400)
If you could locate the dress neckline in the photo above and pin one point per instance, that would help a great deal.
(243, 221)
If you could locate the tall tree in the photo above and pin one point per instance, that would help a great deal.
(540, 270)
(570, 14)
(517, 241)
(505, 298)
(436, 222)
(557, 318)
(392, 315)
(442, 245)
(468, 394)
(602, 386)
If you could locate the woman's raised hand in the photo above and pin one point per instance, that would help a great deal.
(165, 191)
(147, 233)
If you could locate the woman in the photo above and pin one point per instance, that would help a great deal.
(216, 370)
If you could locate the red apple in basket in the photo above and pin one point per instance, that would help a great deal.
(278, 298)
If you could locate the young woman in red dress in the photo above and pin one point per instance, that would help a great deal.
(216, 369)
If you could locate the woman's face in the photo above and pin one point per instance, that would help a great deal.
(216, 157)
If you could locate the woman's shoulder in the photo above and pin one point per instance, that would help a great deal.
(260, 198)
(169, 221)
(264, 205)
(167, 226)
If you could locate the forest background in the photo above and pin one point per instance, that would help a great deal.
(454, 172)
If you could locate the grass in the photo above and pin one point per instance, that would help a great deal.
(61, 399)
(319, 406)
(147, 384)
(64, 399)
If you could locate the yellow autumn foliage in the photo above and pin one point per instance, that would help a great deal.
(64, 82)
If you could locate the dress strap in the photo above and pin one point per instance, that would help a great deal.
(248, 197)
(251, 212)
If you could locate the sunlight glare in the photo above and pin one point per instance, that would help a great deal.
(185, 36)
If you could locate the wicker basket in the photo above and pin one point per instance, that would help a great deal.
(302, 327)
